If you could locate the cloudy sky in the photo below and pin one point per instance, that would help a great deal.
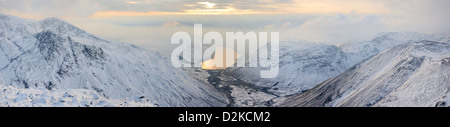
(152, 22)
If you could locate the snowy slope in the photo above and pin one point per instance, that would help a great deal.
(410, 74)
(53, 54)
(11, 96)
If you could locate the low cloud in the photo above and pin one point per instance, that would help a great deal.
(171, 24)
(48, 8)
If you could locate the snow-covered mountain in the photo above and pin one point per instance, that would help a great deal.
(303, 65)
(53, 54)
(410, 74)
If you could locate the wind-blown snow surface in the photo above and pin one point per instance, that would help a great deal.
(303, 65)
(53, 54)
(411, 74)
(11, 96)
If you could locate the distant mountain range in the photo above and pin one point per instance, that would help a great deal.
(303, 64)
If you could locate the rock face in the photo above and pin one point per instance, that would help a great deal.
(53, 54)
(410, 74)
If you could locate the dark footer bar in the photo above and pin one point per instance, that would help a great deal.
(230, 116)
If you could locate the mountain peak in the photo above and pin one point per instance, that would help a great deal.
(61, 26)
(428, 48)
(54, 20)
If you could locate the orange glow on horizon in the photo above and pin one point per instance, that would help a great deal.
(297, 7)
(218, 8)
(227, 11)
(210, 64)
